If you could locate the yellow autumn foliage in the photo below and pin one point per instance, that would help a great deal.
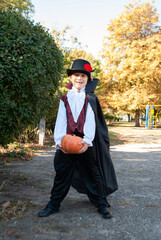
(132, 59)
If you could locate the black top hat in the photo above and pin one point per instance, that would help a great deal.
(82, 66)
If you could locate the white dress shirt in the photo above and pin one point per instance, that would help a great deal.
(76, 101)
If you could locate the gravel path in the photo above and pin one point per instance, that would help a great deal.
(136, 206)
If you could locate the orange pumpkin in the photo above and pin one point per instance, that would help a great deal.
(70, 144)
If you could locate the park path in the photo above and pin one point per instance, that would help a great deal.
(136, 206)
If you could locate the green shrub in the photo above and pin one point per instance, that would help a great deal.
(29, 134)
(159, 115)
(109, 116)
(51, 117)
(30, 69)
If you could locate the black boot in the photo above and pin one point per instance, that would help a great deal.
(47, 212)
(105, 212)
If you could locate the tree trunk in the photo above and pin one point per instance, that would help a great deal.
(129, 120)
(137, 118)
(42, 131)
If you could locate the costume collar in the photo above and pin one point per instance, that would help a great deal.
(76, 90)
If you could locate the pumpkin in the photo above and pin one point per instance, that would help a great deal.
(70, 144)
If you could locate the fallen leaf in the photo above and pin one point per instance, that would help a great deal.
(5, 205)
(50, 174)
(2, 185)
(9, 231)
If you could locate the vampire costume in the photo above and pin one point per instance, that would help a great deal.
(92, 171)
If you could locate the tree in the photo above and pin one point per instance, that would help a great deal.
(23, 7)
(30, 69)
(132, 60)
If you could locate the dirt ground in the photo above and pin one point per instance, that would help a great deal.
(25, 189)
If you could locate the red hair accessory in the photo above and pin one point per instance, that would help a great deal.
(88, 67)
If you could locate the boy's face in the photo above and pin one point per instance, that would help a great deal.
(79, 80)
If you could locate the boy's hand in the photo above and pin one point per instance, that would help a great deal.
(84, 148)
(62, 149)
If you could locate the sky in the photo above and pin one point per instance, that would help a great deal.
(87, 18)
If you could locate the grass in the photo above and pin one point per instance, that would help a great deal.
(114, 138)
(23, 151)
(14, 209)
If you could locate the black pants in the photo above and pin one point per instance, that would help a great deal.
(65, 165)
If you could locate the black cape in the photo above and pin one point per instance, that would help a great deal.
(100, 147)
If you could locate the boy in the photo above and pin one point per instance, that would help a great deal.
(91, 171)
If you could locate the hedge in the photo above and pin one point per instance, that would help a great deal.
(30, 68)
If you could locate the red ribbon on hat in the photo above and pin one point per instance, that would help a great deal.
(88, 67)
